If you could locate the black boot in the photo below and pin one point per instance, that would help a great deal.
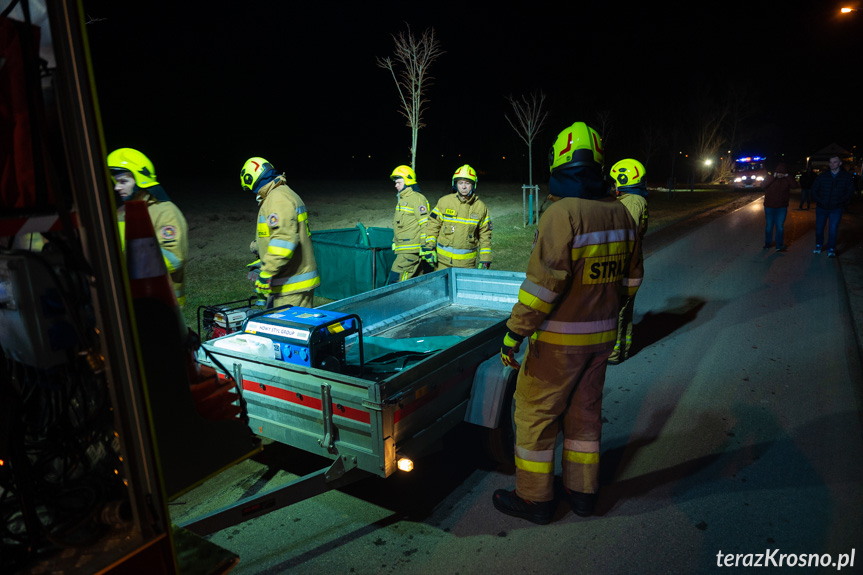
(508, 502)
(582, 504)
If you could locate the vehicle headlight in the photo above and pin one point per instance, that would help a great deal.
(759, 178)
(737, 179)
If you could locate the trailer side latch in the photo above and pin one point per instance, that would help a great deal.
(328, 440)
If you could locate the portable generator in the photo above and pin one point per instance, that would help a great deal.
(307, 337)
(220, 319)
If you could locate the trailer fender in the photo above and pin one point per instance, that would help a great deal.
(491, 384)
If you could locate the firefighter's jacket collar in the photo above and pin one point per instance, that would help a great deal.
(274, 184)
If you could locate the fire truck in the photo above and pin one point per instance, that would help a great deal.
(749, 171)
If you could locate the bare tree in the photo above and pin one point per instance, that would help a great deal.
(529, 119)
(738, 101)
(719, 114)
(413, 56)
(709, 141)
(605, 125)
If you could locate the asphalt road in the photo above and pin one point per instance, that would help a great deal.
(735, 428)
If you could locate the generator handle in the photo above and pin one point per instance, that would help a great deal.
(359, 333)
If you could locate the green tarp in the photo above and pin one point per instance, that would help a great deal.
(352, 260)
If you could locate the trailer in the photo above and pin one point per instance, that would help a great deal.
(373, 381)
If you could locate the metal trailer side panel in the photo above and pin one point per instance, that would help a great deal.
(436, 402)
(324, 413)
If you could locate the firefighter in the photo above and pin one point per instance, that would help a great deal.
(628, 181)
(286, 272)
(409, 223)
(458, 234)
(567, 308)
(135, 179)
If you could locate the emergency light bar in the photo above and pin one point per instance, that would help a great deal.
(752, 159)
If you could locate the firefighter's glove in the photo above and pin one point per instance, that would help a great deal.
(429, 255)
(511, 344)
(254, 271)
(263, 284)
(394, 246)
(485, 265)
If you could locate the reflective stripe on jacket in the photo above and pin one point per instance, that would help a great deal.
(285, 241)
(461, 228)
(579, 267)
(409, 221)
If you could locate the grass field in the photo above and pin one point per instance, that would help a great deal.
(221, 228)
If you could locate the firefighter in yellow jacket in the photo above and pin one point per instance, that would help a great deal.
(286, 272)
(458, 234)
(409, 222)
(567, 306)
(135, 179)
(628, 180)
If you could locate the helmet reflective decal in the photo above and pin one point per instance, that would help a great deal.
(568, 144)
(597, 143)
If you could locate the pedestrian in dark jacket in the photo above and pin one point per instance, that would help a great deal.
(777, 193)
(806, 181)
(831, 191)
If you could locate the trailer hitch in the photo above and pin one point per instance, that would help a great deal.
(343, 471)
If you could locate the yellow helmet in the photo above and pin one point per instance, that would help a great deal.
(252, 171)
(627, 172)
(578, 145)
(465, 173)
(130, 160)
(405, 172)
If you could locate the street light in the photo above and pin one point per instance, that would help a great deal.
(849, 10)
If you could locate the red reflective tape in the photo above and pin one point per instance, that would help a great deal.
(304, 400)
(568, 145)
(597, 144)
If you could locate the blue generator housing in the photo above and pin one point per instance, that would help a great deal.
(307, 337)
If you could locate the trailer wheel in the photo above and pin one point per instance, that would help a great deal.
(499, 443)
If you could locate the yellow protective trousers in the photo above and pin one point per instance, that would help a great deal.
(558, 391)
(405, 267)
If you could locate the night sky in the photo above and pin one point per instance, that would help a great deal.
(200, 87)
